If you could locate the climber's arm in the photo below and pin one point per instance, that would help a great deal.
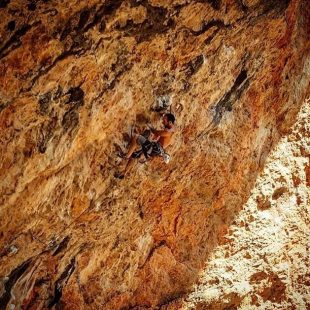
(162, 133)
(159, 133)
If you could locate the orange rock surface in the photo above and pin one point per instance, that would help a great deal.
(75, 78)
(265, 263)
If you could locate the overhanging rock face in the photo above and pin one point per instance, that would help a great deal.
(263, 261)
(76, 77)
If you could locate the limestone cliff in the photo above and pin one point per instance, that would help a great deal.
(264, 262)
(76, 78)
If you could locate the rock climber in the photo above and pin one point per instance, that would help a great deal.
(149, 148)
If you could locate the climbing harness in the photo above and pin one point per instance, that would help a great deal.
(151, 149)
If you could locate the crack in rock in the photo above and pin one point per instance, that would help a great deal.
(226, 103)
(12, 279)
(61, 283)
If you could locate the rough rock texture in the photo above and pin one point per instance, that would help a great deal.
(76, 76)
(264, 262)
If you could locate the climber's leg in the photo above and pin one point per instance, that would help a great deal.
(132, 146)
(136, 140)
(129, 165)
